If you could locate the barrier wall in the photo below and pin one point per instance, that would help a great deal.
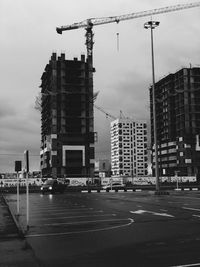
(103, 181)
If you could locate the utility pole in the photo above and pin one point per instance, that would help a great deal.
(152, 25)
(18, 167)
(26, 158)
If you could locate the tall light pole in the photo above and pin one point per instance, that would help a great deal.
(152, 25)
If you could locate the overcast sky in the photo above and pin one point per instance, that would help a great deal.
(28, 37)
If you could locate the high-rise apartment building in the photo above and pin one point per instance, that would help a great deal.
(128, 148)
(67, 131)
(177, 102)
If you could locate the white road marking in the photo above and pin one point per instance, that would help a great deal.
(162, 214)
(186, 208)
(187, 265)
(138, 211)
(151, 212)
(196, 215)
(84, 231)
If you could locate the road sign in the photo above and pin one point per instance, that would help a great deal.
(26, 158)
(18, 166)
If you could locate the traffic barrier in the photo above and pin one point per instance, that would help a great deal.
(98, 190)
(129, 190)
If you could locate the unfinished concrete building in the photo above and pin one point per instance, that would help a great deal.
(177, 101)
(67, 123)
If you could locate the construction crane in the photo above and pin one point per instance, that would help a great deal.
(105, 112)
(89, 23)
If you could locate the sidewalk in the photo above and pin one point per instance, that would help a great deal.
(14, 249)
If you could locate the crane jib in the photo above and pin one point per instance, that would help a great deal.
(89, 23)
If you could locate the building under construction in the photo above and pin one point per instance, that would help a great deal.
(67, 122)
(177, 104)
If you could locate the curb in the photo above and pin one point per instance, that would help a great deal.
(113, 190)
(21, 233)
(187, 189)
(138, 190)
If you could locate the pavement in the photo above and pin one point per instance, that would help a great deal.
(15, 251)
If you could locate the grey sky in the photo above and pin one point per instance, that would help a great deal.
(28, 37)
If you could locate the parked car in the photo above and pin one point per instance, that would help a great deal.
(52, 186)
(113, 186)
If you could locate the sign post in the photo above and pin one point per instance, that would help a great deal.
(176, 176)
(18, 167)
(111, 182)
(26, 157)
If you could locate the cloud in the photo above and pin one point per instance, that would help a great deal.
(19, 131)
(6, 109)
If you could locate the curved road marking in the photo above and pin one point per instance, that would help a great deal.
(151, 212)
(86, 231)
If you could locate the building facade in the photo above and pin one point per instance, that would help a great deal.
(129, 148)
(177, 104)
(67, 123)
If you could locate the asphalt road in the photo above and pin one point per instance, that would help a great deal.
(113, 229)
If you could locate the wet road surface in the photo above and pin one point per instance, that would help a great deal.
(113, 229)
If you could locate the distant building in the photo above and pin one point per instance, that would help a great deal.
(102, 168)
(178, 123)
(67, 131)
(128, 148)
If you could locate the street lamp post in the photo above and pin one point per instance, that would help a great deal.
(152, 25)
